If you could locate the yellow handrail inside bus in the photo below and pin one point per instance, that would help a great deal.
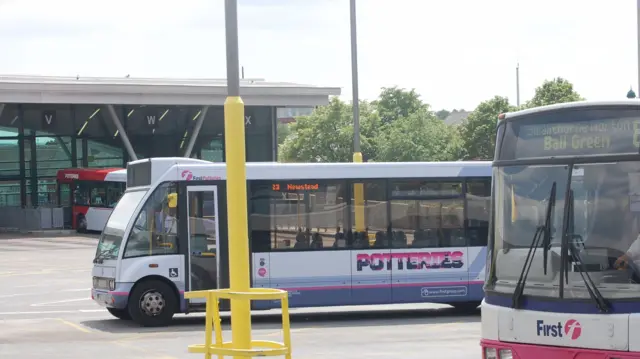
(358, 192)
(152, 229)
(172, 200)
(298, 219)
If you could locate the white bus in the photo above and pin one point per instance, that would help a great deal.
(421, 238)
(563, 278)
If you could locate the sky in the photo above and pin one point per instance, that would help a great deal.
(455, 53)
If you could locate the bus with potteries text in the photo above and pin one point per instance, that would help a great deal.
(417, 234)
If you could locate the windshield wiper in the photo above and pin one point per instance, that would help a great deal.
(101, 256)
(542, 232)
(572, 251)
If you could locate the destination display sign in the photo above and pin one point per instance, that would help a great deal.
(291, 187)
(605, 136)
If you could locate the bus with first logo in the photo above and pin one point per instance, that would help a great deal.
(88, 195)
(331, 234)
(563, 278)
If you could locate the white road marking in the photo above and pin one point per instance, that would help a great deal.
(46, 304)
(28, 285)
(44, 293)
(55, 312)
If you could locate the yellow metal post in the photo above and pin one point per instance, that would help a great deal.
(236, 186)
(240, 292)
(237, 220)
(358, 193)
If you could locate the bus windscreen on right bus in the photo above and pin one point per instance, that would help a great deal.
(571, 133)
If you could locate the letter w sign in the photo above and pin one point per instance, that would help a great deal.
(151, 119)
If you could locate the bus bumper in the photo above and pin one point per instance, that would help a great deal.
(492, 349)
(117, 298)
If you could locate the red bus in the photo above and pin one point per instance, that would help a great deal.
(88, 195)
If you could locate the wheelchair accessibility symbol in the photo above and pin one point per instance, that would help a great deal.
(173, 272)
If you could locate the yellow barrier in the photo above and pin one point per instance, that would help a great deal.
(213, 324)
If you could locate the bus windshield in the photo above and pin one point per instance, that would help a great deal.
(601, 225)
(111, 238)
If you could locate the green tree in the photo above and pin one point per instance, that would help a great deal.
(442, 114)
(478, 131)
(327, 134)
(553, 91)
(420, 136)
(394, 103)
(283, 130)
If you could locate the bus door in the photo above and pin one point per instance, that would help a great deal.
(65, 201)
(477, 209)
(203, 233)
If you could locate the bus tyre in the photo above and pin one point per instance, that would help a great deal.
(82, 224)
(119, 313)
(466, 306)
(152, 303)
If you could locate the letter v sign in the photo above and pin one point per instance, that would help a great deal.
(48, 118)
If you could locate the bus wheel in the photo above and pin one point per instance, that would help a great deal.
(466, 306)
(119, 313)
(152, 303)
(82, 224)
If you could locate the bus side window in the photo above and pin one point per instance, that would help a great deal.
(260, 219)
(300, 219)
(81, 193)
(114, 192)
(369, 217)
(427, 214)
(478, 207)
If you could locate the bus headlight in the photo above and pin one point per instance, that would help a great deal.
(490, 353)
(505, 354)
(104, 283)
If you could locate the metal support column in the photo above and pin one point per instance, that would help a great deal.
(123, 133)
(33, 169)
(196, 131)
(23, 160)
(638, 43)
(64, 147)
(1, 109)
(74, 138)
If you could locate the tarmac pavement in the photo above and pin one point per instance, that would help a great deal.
(46, 312)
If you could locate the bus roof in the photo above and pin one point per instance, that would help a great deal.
(569, 105)
(185, 169)
(117, 176)
(92, 174)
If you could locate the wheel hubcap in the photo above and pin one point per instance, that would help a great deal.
(152, 303)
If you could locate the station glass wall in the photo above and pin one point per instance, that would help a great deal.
(38, 140)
